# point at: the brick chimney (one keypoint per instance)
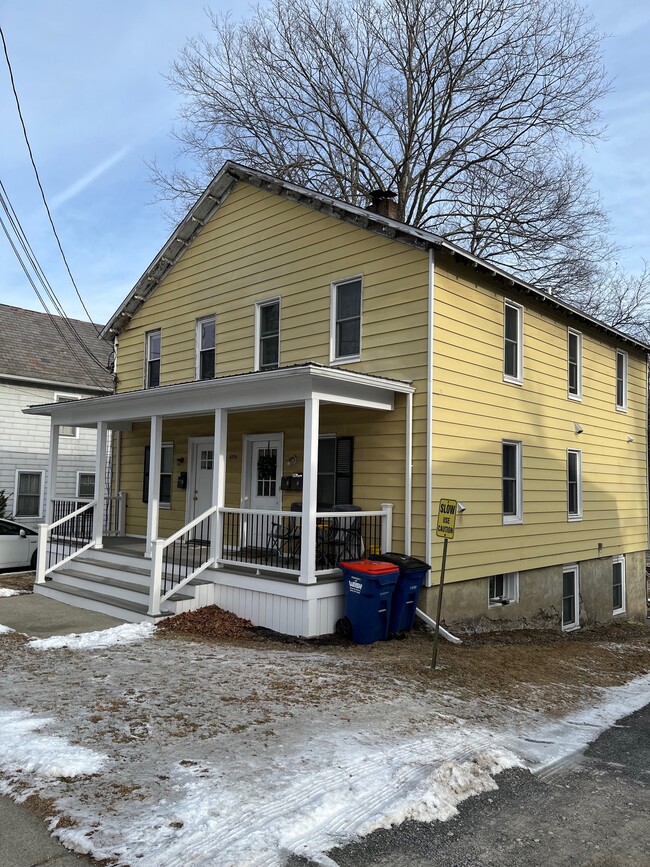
(381, 202)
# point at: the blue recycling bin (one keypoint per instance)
(368, 586)
(412, 573)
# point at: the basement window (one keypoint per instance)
(503, 589)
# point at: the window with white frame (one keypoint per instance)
(618, 584)
(206, 334)
(570, 598)
(29, 490)
(511, 482)
(345, 339)
(85, 486)
(267, 334)
(574, 484)
(503, 589)
(621, 380)
(574, 364)
(334, 481)
(513, 342)
(166, 467)
(152, 358)
(66, 430)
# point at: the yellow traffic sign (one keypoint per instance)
(446, 519)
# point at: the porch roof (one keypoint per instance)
(285, 386)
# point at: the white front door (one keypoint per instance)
(199, 482)
(264, 470)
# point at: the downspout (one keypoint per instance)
(429, 463)
(408, 487)
(647, 445)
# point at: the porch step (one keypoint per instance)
(128, 586)
(121, 609)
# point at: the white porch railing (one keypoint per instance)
(180, 558)
(64, 539)
(115, 515)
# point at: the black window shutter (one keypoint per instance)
(344, 454)
(145, 475)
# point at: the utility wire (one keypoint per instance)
(72, 349)
(38, 179)
(19, 232)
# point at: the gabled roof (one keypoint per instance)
(39, 348)
(231, 173)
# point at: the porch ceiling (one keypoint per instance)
(287, 386)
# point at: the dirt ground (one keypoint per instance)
(17, 580)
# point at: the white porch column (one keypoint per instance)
(100, 483)
(219, 481)
(309, 484)
(52, 471)
(387, 528)
(155, 445)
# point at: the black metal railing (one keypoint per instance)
(72, 533)
(185, 555)
(344, 537)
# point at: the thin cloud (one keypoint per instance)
(89, 178)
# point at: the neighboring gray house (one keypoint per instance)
(41, 361)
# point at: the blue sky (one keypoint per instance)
(90, 79)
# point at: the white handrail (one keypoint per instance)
(189, 526)
(74, 514)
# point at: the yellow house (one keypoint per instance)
(286, 357)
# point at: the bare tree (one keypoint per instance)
(470, 110)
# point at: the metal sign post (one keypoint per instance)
(445, 529)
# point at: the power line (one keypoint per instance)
(38, 179)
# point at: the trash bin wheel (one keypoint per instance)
(344, 627)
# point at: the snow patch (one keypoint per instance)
(5, 592)
(127, 633)
(4, 629)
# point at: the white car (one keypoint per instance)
(17, 545)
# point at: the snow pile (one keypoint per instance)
(5, 629)
(25, 749)
(5, 592)
(127, 633)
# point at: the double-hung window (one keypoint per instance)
(267, 334)
(29, 491)
(334, 485)
(621, 380)
(574, 364)
(512, 499)
(152, 359)
(85, 486)
(205, 347)
(618, 584)
(513, 342)
(66, 430)
(570, 598)
(345, 337)
(574, 484)
(166, 467)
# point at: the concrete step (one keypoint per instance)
(121, 609)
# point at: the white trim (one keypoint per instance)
(52, 472)
(619, 558)
(62, 397)
(198, 349)
(574, 516)
(575, 624)
(428, 480)
(78, 496)
(40, 473)
(517, 518)
(571, 332)
(334, 286)
(155, 444)
(621, 407)
(310, 485)
(408, 480)
(519, 378)
(276, 299)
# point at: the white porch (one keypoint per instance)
(274, 567)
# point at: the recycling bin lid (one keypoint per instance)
(368, 567)
(404, 562)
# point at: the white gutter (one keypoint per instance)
(408, 486)
(429, 463)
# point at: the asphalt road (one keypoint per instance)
(592, 810)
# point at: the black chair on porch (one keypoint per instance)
(342, 539)
(283, 541)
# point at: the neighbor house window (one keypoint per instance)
(152, 359)
(570, 598)
(618, 584)
(85, 486)
(267, 335)
(511, 477)
(334, 486)
(29, 488)
(205, 347)
(345, 340)
(66, 430)
(574, 372)
(621, 380)
(166, 466)
(513, 342)
(503, 589)
(574, 484)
